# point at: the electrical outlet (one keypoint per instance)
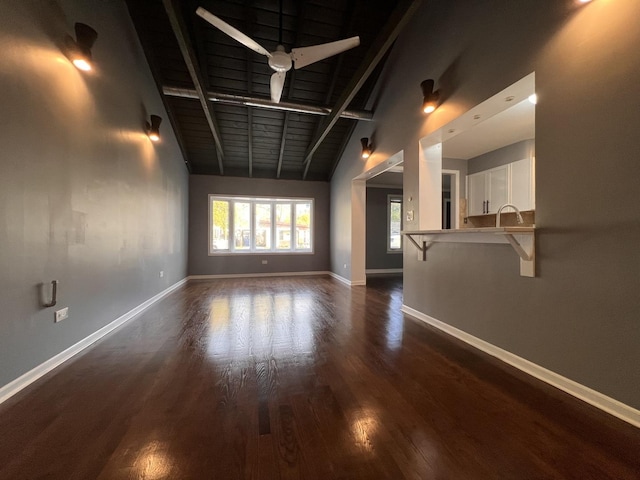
(62, 314)
(161, 273)
(345, 265)
(264, 262)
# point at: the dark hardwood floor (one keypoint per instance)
(286, 378)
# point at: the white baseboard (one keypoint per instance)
(251, 275)
(350, 283)
(340, 278)
(586, 394)
(373, 271)
(34, 374)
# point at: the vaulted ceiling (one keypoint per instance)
(217, 91)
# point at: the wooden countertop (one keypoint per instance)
(497, 230)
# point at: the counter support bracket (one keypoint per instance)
(422, 248)
(521, 239)
(524, 245)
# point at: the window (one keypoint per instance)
(263, 226)
(394, 223)
(256, 225)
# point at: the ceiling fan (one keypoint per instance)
(280, 60)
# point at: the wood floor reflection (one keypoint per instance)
(300, 378)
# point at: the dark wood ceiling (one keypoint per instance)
(256, 141)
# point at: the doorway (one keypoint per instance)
(358, 215)
(450, 199)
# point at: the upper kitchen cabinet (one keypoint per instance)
(511, 183)
(523, 185)
(488, 190)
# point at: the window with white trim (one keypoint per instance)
(260, 224)
(394, 223)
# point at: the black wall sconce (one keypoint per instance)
(430, 98)
(367, 148)
(153, 128)
(79, 50)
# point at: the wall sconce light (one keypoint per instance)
(430, 98)
(79, 50)
(153, 128)
(367, 149)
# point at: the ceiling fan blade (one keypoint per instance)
(307, 55)
(277, 85)
(232, 32)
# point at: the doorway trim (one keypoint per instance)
(359, 216)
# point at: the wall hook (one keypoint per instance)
(54, 295)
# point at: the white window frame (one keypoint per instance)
(253, 201)
(393, 198)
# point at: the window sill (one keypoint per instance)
(266, 252)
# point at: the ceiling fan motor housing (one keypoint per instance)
(280, 60)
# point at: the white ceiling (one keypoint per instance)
(506, 118)
(513, 125)
(388, 179)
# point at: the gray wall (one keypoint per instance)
(85, 198)
(200, 263)
(579, 316)
(377, 256)
(502, 156)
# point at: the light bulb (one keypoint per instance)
(428, 108)
(82, 64)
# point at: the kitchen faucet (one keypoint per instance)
(518, 216)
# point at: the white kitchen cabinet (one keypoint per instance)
(476, 191)
(522, 184)
(513, 183)
(488, 190)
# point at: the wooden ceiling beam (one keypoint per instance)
(332, 85)
(282, 143)
(398, 19)
(250, 112)
(265, 103)
(346, 30)
(343, 147)
(155, 72)
(292, 81)
(189, 55)
(250, 139)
